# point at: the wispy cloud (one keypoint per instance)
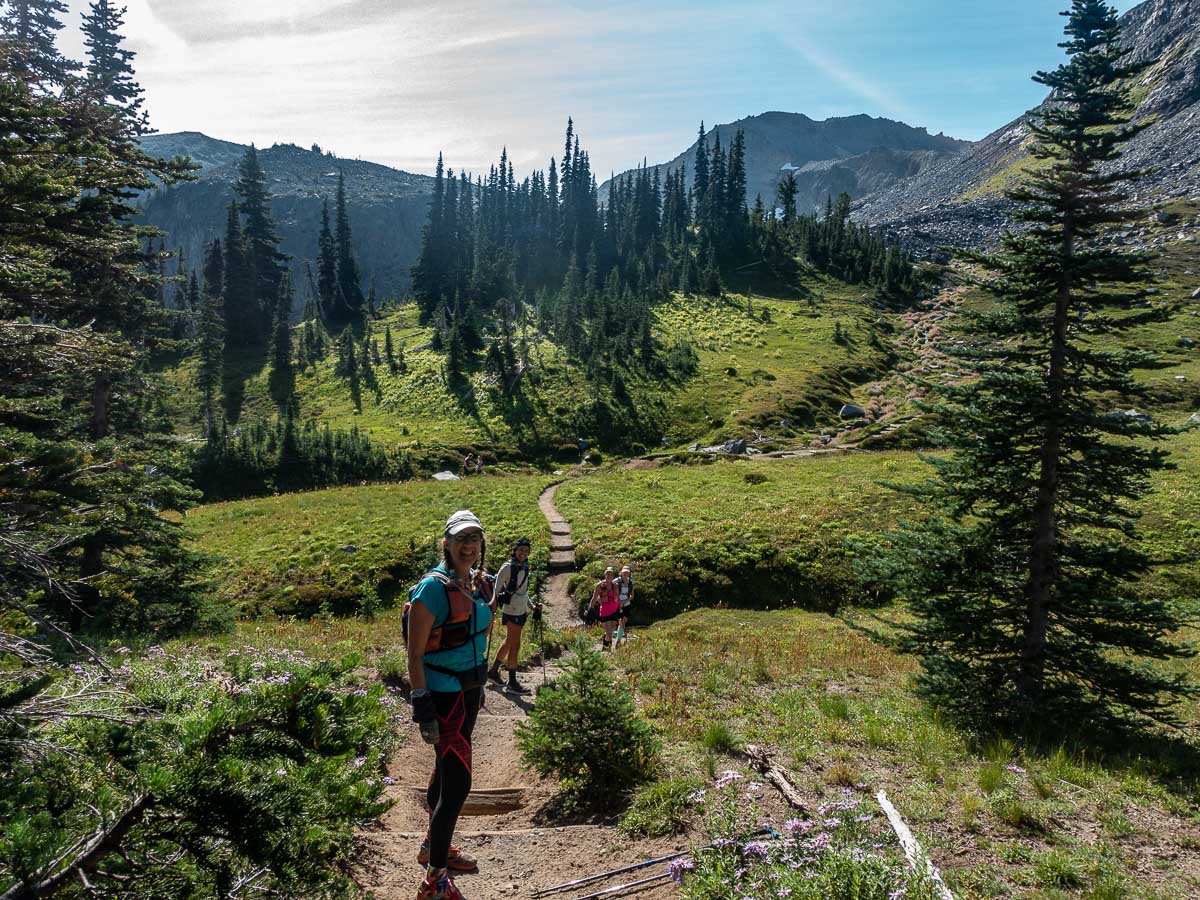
(863, 86)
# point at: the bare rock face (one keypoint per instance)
(959, 200)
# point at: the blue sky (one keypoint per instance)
(395, 81)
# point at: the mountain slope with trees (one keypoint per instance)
(389, 205)
(854, 154)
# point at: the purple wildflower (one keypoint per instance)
(756, 848)
(678, 868)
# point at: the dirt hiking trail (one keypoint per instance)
(508, 821)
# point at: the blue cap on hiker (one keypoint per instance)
(461, 521)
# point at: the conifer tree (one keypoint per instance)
(389, 351)
(785, 197)
(28, 32)
(700, 183)
(1026, 580)
(264, 262)
(110, 64)
(242, 319)
(282, 379)
(348, 279)
(210, 339)
(333, 311)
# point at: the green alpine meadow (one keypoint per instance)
(803, 508)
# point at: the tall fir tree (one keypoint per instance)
(264, 263)
(109, 70)
(242, 315)
(28, 44)
(349, 281)
(1027, 580)
(210, 339)
(282, 378)
(332, 308)
(700, 182)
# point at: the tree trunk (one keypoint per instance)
(1043, 557)
(101, 394)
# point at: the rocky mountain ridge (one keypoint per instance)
(388, 207)
(959, 200)
(857, 154)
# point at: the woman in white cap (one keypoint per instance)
(625, 594)
(448, 623)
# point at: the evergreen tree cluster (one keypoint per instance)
(856, 254)
(262, 458)
(162, 777)
(500, 257)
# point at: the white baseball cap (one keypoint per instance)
(461, 521)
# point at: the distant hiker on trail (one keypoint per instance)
(512, 599)
(479, 464)
(625, 593)
(466, 465)
(448, 618)
(606, 597)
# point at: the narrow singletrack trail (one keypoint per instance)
(508, 822)
(561, 611)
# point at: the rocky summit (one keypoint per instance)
(959, 200)
(856, 154)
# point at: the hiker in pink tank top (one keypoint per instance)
(608, 599)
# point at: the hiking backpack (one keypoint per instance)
(458, 628)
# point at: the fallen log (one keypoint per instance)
(775, 774)
(912, 850)
(485, 801)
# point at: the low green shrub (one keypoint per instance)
(207, 773)
(585, 730)
(662, 807)
(719, 738)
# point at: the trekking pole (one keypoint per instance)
(642, 865)
(622, 888)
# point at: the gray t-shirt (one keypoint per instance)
(518, 604)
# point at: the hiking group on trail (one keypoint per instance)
(447, 624)
(612, 600)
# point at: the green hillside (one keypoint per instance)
(760, 360)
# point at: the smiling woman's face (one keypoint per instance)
(522, 553)
(465, 547)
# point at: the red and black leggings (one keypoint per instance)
(451, 781)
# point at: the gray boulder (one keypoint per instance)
(1132, 415)
(1196, 294)
(735, 446)
(851, 411)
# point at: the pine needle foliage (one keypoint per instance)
(1025, 579)
(586, 731)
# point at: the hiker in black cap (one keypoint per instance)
(449, 618)
(512, 598)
